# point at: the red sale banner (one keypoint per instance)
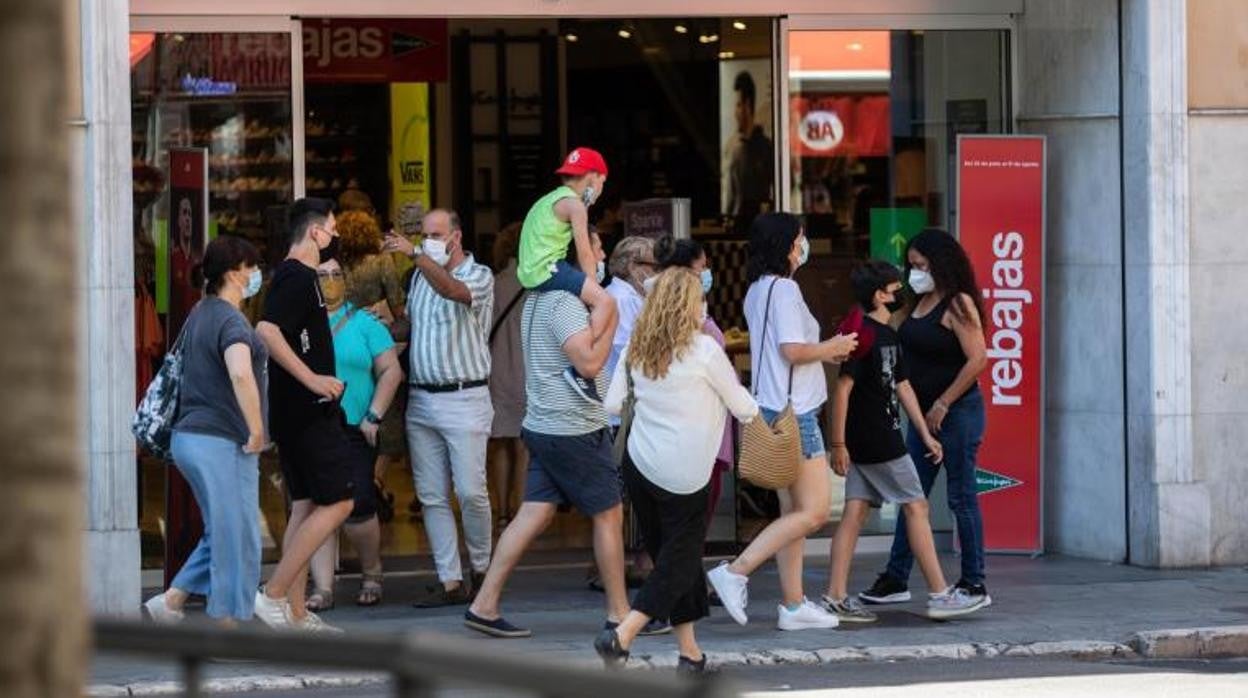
(1001, 225)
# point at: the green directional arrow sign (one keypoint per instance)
(987, 481)
(892, 229)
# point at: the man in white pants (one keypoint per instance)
(449, 413)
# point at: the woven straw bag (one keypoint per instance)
(771, 453)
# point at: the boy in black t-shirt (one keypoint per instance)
(868, 449)
(304, 416)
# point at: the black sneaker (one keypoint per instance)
(494, 628)
(688, 667)
(607, 645)
(975, 591)
(886, 590)
(583, 387)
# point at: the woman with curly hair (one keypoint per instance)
(943, 339)
(683, 386)
(371, 274)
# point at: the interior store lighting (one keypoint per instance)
(625, 33)
(854, 46)
(682, 29)
(727, 54)
(572, 38)
(739, 25)
(712, 38)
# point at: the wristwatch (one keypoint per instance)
(371, 417)
(417, 251)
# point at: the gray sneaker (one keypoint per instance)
(952, 603)
(849, 610)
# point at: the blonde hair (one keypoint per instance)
(669, 323)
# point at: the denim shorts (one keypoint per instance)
(808, 427)
(564, 277)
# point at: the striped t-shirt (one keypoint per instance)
(552, 407)
(449, 339)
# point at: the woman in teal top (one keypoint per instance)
(366, 361)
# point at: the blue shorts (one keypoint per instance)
(808, 426)
(576, 470)
(564, 278)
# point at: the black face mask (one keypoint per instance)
(330, 251)
(896, 304)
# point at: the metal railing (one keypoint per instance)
(418, 663)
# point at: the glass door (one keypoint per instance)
(872, 117)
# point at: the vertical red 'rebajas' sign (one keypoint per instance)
(1001, 225)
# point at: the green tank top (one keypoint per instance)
(544, 239)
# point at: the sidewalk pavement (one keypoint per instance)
(1051, 606)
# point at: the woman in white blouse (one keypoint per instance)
(684, 386)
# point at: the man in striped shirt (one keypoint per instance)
(570, 452)
(449, 413)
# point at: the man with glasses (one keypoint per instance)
(449, 411)
(304, 416)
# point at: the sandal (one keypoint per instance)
(370, 590)
(320, 600)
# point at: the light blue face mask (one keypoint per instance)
(803, 254)
(253, 283)
(707, 280)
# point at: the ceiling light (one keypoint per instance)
(727, 54)
(738, 25)
(712, 38)
(625, 34)
(682, 29)
(572, 38)
(855, 46)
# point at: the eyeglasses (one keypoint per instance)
(335, 275)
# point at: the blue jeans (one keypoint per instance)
(225, 565)
(960, 435)
(807, 427)
(565, 277)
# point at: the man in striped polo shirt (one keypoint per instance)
(449, 414)
(570, 452)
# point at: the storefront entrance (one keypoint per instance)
(848, 121)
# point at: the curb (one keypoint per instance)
(1190, 643)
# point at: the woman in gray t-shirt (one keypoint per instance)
(218, 436)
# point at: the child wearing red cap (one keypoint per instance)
(558, 219)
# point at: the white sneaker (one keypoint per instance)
(272, 612)
(732, 589)
(952, 603)
(160, 612)
(808, 616)
(312, 623)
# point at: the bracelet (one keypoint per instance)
(837, 444)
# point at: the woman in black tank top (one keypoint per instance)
(943, 341)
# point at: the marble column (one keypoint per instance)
(1170, 506)
(102, 144)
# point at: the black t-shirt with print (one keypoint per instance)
(873, 425)
(295, 305)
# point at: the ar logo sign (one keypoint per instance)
(822, 130)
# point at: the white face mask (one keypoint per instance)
(436, 249)
(587, 196)
(648, 285)
(921, 282)
(602, 271)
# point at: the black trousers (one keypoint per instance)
(673, 529)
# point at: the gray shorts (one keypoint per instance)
(895, 481)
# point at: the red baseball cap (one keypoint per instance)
(583, 161)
